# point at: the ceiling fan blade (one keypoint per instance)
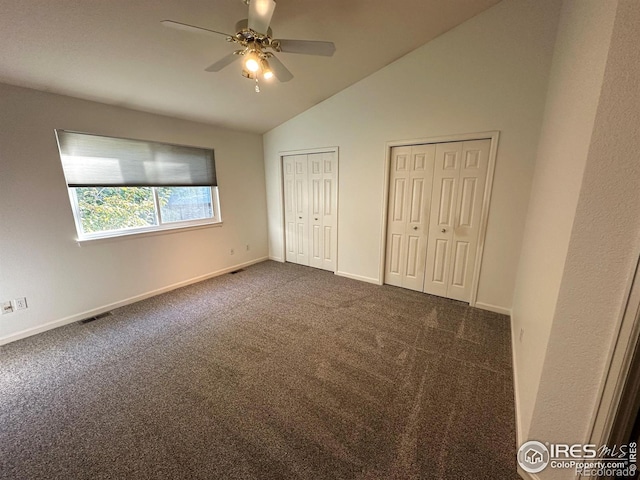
(308, 47)
(223, 62)
(260, 13)
(190, 28)
(281, 72)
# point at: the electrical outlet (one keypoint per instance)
(20, 303)
(521, 334)
(6, 307)
(233, 251)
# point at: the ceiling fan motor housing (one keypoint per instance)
(245, 34)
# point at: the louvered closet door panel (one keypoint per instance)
(442, 217)
(469, 199)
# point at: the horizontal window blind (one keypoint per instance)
(99, 161)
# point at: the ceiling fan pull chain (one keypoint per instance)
(257, 85)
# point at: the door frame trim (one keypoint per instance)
(307, 151)
(620, 364)
(493, 136)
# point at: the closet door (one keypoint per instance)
(311, 209)
(289, 178)
(323, 197)
(296, 209)
(442, 216)
(458, 191)
(301, 207)
(409, 197)
(470, 195)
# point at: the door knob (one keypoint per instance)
(415, 228)
(316, 218)
(444, 230)
(300, 218)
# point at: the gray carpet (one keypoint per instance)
(279, 371)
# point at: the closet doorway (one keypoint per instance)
(437, 207)
(310, 188)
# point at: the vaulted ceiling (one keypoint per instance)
(117, 52)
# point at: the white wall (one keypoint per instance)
(490, 73)
(39, 258)
(602, 253)
(575, 81)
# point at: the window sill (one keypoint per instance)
(139, 234)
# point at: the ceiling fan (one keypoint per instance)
(255, 37)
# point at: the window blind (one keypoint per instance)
(99, 161)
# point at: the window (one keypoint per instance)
(121, 187)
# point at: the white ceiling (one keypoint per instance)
(116, 52)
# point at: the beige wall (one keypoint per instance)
(575, 81)
(490, 73)
(602, 253)
(39, 258)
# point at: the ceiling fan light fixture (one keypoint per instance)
(252, 62)
(267, 73)
(255, 37)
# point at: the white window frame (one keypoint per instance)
(160, 227)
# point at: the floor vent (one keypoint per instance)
(97, 317)
(237, 271)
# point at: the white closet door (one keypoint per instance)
(460, 175)
(288, 172)
(397, 217)
(323, 210)
(296, 209)
(311, 209)
(301, 208)
(470, 194)
(409, 197)
(316, 217)
(441, 225)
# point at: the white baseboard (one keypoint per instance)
(276, 259)
(359, 277)
(516, 399)
(105, 308)
(493, 308)
(516, 390)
